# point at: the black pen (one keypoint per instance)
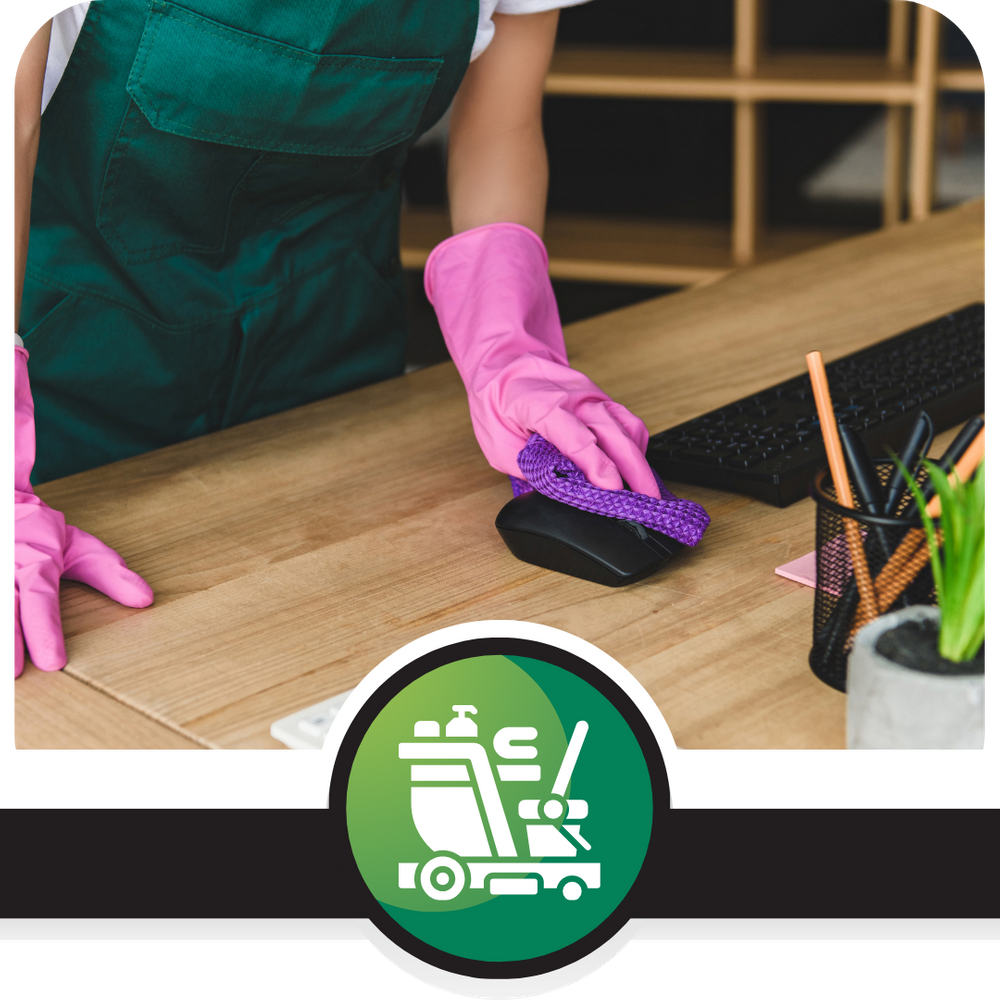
(861, 468)
(871, 499)
(910, 456)
(961, 442)
(952, 454)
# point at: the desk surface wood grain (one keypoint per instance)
(291, 554)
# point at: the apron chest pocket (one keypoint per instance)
(208, 102)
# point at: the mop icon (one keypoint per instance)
(467, 851)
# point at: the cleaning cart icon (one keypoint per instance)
(467, 851)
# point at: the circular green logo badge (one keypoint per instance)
(499, 806)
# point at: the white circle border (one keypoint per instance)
(499, 629)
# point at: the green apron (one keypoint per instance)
(215, 215)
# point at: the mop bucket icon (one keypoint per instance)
(446, 814)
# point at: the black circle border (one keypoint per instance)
(402, 678)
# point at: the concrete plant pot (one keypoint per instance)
(902, 696)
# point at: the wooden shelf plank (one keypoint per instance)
(923, 121)
(967, 78)
(606, 71)
(625, 250)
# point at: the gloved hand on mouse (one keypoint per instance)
(491, 290)
(46, 548)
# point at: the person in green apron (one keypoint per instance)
(214, 237)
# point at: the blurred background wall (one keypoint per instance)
(686, 139)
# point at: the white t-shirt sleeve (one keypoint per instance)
(487, 8)
(66, 27)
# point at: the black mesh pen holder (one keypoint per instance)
(892, 547)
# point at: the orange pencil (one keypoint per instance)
(838, 470)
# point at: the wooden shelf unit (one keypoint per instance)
(642, 251)
(626, 250)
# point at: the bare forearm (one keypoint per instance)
(497, 165)
(27, 126)
(505, 180)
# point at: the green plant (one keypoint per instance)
(958, 559)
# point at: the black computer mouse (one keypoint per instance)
(593, 547)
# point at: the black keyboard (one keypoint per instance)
(769, 445)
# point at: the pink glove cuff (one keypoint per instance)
(471, 243)
(491, 290)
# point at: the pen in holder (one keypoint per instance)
(892, 550)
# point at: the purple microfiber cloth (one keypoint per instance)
(550, 472)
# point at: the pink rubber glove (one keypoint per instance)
(490, 288)
(47, 548)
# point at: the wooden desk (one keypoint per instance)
(290, 555)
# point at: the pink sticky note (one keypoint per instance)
(801, 570)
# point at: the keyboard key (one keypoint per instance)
(747, 461)
(886, 399)
(706, 456)
(666, 448)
